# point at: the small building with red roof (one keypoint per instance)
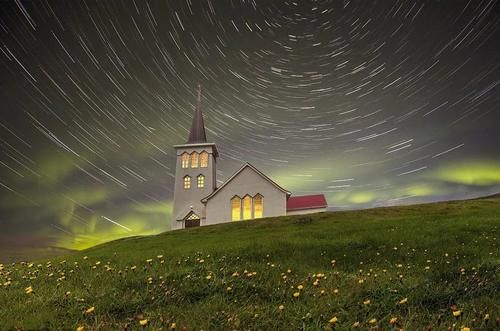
(306, 204)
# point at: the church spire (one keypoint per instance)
(197, 133)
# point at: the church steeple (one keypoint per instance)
(197, 133)
(195, 173)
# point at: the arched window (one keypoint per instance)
(187, 182)
(235, 208)
(203, 159)
(200, 181)
(194, 160)
(247, 207)
(185, 160)
(258, 201)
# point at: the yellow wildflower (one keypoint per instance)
(300, 287)
(173, 326)
(333, 320)
(393, 320)
(143, 322)
(366, 302)
(296, 294)
(80, 328)
(281, 307)
(457, 313)
(373, 321)
(90, 310)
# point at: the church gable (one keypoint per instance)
(244, 177)
(247, 194)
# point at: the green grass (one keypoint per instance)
(440, 257)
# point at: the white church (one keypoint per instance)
(247, 194)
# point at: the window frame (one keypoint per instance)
(202, 177)
(239, 208)
(186, 182)
(202, 157)
(261, 205)
(243, 207)
(185, 157)
(195, 160)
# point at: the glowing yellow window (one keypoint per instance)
(203, 159)
(185, 160)
(235, 209)
(200, 181)
(194, 160)
(193, 217)
(187, 182)
(247, 207)
(257, 206)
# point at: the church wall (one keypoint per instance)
(218, 208)
(305, 211)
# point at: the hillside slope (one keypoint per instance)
(408, 267)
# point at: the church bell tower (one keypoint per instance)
(195, 175)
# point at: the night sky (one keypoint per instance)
(373, 103)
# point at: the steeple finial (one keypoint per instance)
(197, 133)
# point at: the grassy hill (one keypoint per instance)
(419, 267)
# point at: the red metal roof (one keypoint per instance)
(306, 202)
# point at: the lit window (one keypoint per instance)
(201, 181)
(203, 159)
(194, 160)
(192, 217)
(257, 206)
(247, 207)
(235, 209)
(185, 160)
(187, 182)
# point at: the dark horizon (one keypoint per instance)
(373, 104)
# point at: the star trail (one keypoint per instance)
(373, 103)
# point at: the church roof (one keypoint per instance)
(197, 133)
(306, 202)
(246, 165)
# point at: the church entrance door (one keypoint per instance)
(192, 221)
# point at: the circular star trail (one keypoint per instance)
(371, 102)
